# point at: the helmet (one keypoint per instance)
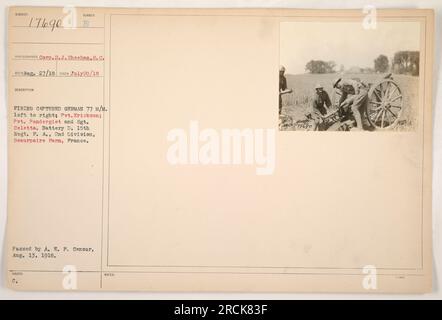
(319, 86)
(336, 81)
(281, 69)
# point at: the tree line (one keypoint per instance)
(403, 62)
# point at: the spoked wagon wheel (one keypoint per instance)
(385, 104)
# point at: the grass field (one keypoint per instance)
(298, 103)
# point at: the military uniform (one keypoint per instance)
(318, 109)
(282, 87)
(320, 99)
(354, 94)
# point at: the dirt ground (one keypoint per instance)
(298, 103)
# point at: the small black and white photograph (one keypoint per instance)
(343, 76)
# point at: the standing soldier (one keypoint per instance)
(320, 104)
(282, 86)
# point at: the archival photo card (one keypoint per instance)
(148, 150)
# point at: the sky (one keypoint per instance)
(346, 43)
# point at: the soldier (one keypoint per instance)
(354, 95)
(320, 104)
(282, 86)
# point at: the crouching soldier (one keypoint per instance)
(320, 104)
(354, 95)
